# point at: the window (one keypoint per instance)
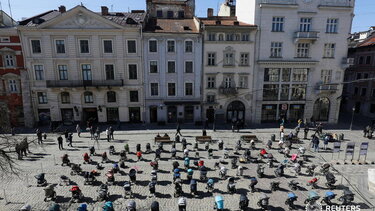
(332, 25)
(284, 95)
(365, 75)
(88, 97)
(211, 37)
(358, 76)
(285, 77)
(245, 37)
(326, 76)
(188, 89)
(153, 46)
(65, 98)
(171, 89)
(110, 72)
(84, 46)
(243, 82)
(299, 75)
(134, 96)
(111, 97)
(60, 46)
(221, 37)
(368, 59)
(42, 98)
(271, 74)
(244, 59)
(228, 82)
(153, 66)
(188, 46)
(35, 46)
(133, 73)
(86, 72)
(4, 39)
(276, 49)
(188, 67)
(211, 82)
(230, 37)
(278, 24)
(329, 50)
(132, 46)
(305, 24)
(107, 46)
(9, 61)
(39, 73)
(12, 86)
(270, 91)
(360, 60)
(356, 90)
(211, 98)
(303, 50)
(372, 108)
(298, 92)
(63, 72)
(171, 46)
(363, 91)
(171, 66)
(154, 89)
(159, 13)
(181, 14)
(169, 14)
(229, 59)
(211, 59)
(237, 37)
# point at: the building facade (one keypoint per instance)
(84, 65)
(13, 77)
(172, 53)
(228, 68)
(301, 57)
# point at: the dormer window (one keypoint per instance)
(170, 14)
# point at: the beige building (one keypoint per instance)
(228, 68)
(84, 65)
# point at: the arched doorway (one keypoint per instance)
(236, 111)
(321, 109)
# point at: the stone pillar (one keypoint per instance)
(371, 180)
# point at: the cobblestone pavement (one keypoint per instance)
(46, 158)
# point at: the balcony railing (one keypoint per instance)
(337, 3)
(278, 1)
(83, 83)
(327, 87)
(306, 35)
(228, 91)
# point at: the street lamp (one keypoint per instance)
(351, 123)
(213, 125)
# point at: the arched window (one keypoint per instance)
(65, 98)
(88, 97)
(321, 109)
(236, 112)
(237, 37)
(221, 37)
(111, 97)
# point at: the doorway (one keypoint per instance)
(134, 114)
(90, 114)
(189, 114)
(153, 114)
(236, 112)
(172, 114)
(67, 116)
(210, 115)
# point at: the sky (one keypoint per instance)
(364, 11)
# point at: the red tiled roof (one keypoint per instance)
(368, 42)
(224, 21)
(171, 26)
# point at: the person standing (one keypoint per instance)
(306, 131)
(92, 132)
(60, 142)
(39, 135)
(66, 134)
(326, 140)
(107, 133)
(78, 129)
(70, 139)
(178, 130)
(315, 142)
(111, 131)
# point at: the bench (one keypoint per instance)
(164, 140)
(248, 138)
(203, 139)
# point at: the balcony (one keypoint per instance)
(286, 2)
(347, 62)
(327, 88)
(336, 3)
(306, 36)
(83, 83)
(228, 91)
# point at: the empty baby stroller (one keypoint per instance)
(64, 180)
(182, 204)
(49, 193)
(263, 202)
(290, 201)
(77, 195)
(155, 206)
(103, 194)
(40, 180)
(293, 185)
(244, 202)
(328, 197)
(89, 178)
(223, 172)
(75, 169)
(210, 185)
(133, 175)
(86, 158)
(112, 150)
(127, 189)
(193, 187)
(312, 197)
(178, 188)
(231, 186)
(347, 197)
(253, 182)
(203, 173)
(331, 180)
(132, 206)
(313, 183)
(65, 160)
(219, 203)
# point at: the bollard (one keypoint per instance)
(41, 167)
(27, 180)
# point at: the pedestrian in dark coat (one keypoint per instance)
(70, 139)
(60, 141)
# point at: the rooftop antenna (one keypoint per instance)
(111, 7)
(10, 10)
(128, 9)
(81, 4)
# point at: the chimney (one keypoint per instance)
(218, 22)
(62, 9)
(236, 23)
(105, 11)
(210, 12)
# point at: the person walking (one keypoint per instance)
(39, 135)
(306, 131)
(92, 132)
(315, 143)
(107, 134)
(78, 129)
(70, 139)
(66, 134)
(178, 130)
(60, 142)
(326, 140)
(111, 131)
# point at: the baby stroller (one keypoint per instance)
(331, 180)
(154, 176)
(104, 157)
(210, 153)
(108, 206)
(313, 183)
(75, 169)
(148, 148)
(127, 189)
(231, 187)
(115, 168)
(263, 202)
(155, 206)
(312, 198)
(175, 165)
(187, 163)
(234, 163)
(324, 168)
(310, 169)
(193, 187)
(176, 174)
(182, 204)
(40, 180)
(110, 177)
(290, 201)
(92, 151)
(112, 150)
(239, 171)
(50, 193)
(244, 202)
(253, 182)
(64, 180)
(65, 160)
(103, 194)
(328, 197)
(210, 185)
(279, 172)
(274, 186)
(86, 158)
(178, 188)
(347, 197)
(123, 155)
(293, 185)
(151, 188)
(89, 178)
(133, 175)
(189, 174)
(203, 173)
(154, 165)
(219, 203)
(220, 144)
(77, 195)
(173, 153)
(223, 172)
(132, 206)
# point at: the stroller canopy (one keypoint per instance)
(40, 176)
(155, 206)
(131, 204)
(292, 195)
(193, 182)
(313, 195)
(210, 181)
(330, 194)
(243, 197)
(132, 172)
(219, 200)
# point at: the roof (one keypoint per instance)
(368, 42)
(171, 26)
(224, 21)
(121, 18)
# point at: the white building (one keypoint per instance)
(301, 57)
(172, 47)
(85, 65)
(228, 68)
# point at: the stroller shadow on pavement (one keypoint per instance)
(114, 197)
(163, 196)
